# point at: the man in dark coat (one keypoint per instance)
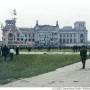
(83, 54)
(5, 52)
(17, 50)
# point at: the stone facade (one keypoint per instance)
(44, 35)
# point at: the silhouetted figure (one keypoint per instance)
(5, 52)
(73, 48)
(83, 54)
(17, 50)
(29, 49)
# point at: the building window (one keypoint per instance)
(74, 40)
(21, 39)
(60, 40)
(63, 35)
(63, 40)
(25, 35)
(67, 40)
(25, 40)
(70, 40)
(67, 35)
(54, 33)
(32, 39)
(70, 35)
(29, 39)
(29, 35)
(74, 35)
(81, 35)
(18, 35)
(33, 34)
(10, 36)
(60, 35)
(18, 39)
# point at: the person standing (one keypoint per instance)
(17, 50)
(5, 52)
(83, 55)
(29, 49)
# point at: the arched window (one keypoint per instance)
(10, 36)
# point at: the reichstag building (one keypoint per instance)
(44, 35)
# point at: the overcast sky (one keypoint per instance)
(47, 12)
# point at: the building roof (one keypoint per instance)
(47, 27)
(79, 22)
(26, 29)
(69, 30)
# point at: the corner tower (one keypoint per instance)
(80, 25)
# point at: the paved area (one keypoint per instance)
(67, 76)
(49, 52)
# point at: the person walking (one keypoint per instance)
(83, 55)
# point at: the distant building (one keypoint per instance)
(44, 35)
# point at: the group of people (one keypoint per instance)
(9, 52)
(6, 51)
(76, 48)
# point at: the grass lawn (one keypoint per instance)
(30, 65)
